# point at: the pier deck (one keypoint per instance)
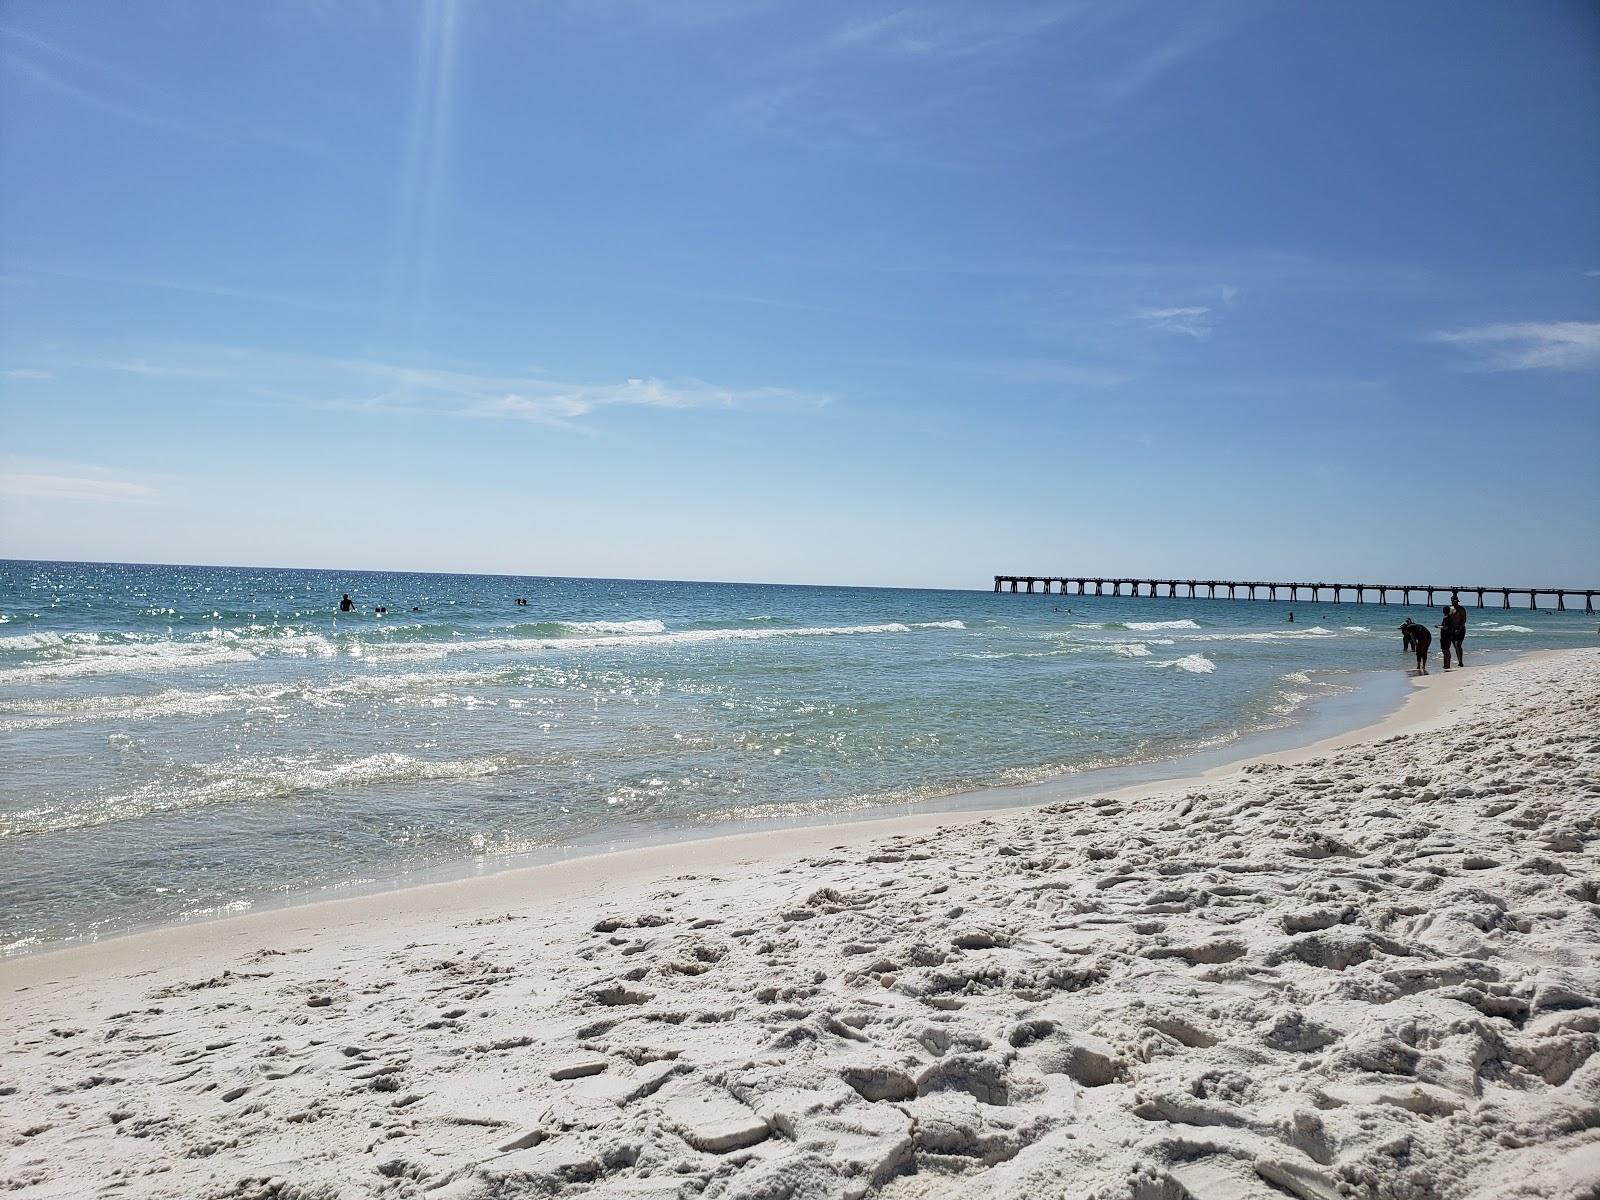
(1337, 593)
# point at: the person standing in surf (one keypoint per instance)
(1417, 638)
(1453, 631)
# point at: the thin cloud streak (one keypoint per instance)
(1193, 321)
(1529, 345)
(198, 288)
(392, 388)
(34, 479)
(1144, 71)
(96, 95)
(138, 366)
(827, 95)
(944, 33)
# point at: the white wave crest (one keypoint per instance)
(681, 637)
(75, 659)
(1357, 629)
(246, 780)
(1184, 624)
(1131, 650)
(1262, 636)
(939, 625)
(46, 640)
(1196, 664)
(643, 626)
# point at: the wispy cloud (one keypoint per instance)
(1193, 321)
(562, 404)
(129, 98)
(400, 388)
(945, 31)
(1145, 68)
(38, 480)
(1186, 275)
(1529, 345)
(150, 370)
(909, 83)
(26, 373)
(1190, 320)
(225, 291)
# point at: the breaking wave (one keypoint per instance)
(645, 626)
(1195, 664)
(1141, 625)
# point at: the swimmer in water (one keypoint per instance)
(345, 604)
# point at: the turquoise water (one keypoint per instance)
(184, 741)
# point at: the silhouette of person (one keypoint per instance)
(1291, 616)
(1418, 639)
(1454, 631)
(345, 603)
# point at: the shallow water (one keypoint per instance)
(180, 741)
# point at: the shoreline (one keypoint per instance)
(1364, 966)
(1426, 701)
(1301, 724)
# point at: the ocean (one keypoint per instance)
(184, 742)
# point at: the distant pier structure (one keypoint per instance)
(1355, 593)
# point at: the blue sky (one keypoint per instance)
(810, 292)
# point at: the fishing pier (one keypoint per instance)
(1235, 589)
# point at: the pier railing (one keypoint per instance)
(1356, 593)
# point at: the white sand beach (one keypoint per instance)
(1368, 968)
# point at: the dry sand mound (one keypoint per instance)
(1374, 974)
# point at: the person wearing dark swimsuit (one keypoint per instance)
(1417, 639)
(1454, 631)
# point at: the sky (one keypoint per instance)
(897, 294)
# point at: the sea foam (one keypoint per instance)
(1195, 664)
